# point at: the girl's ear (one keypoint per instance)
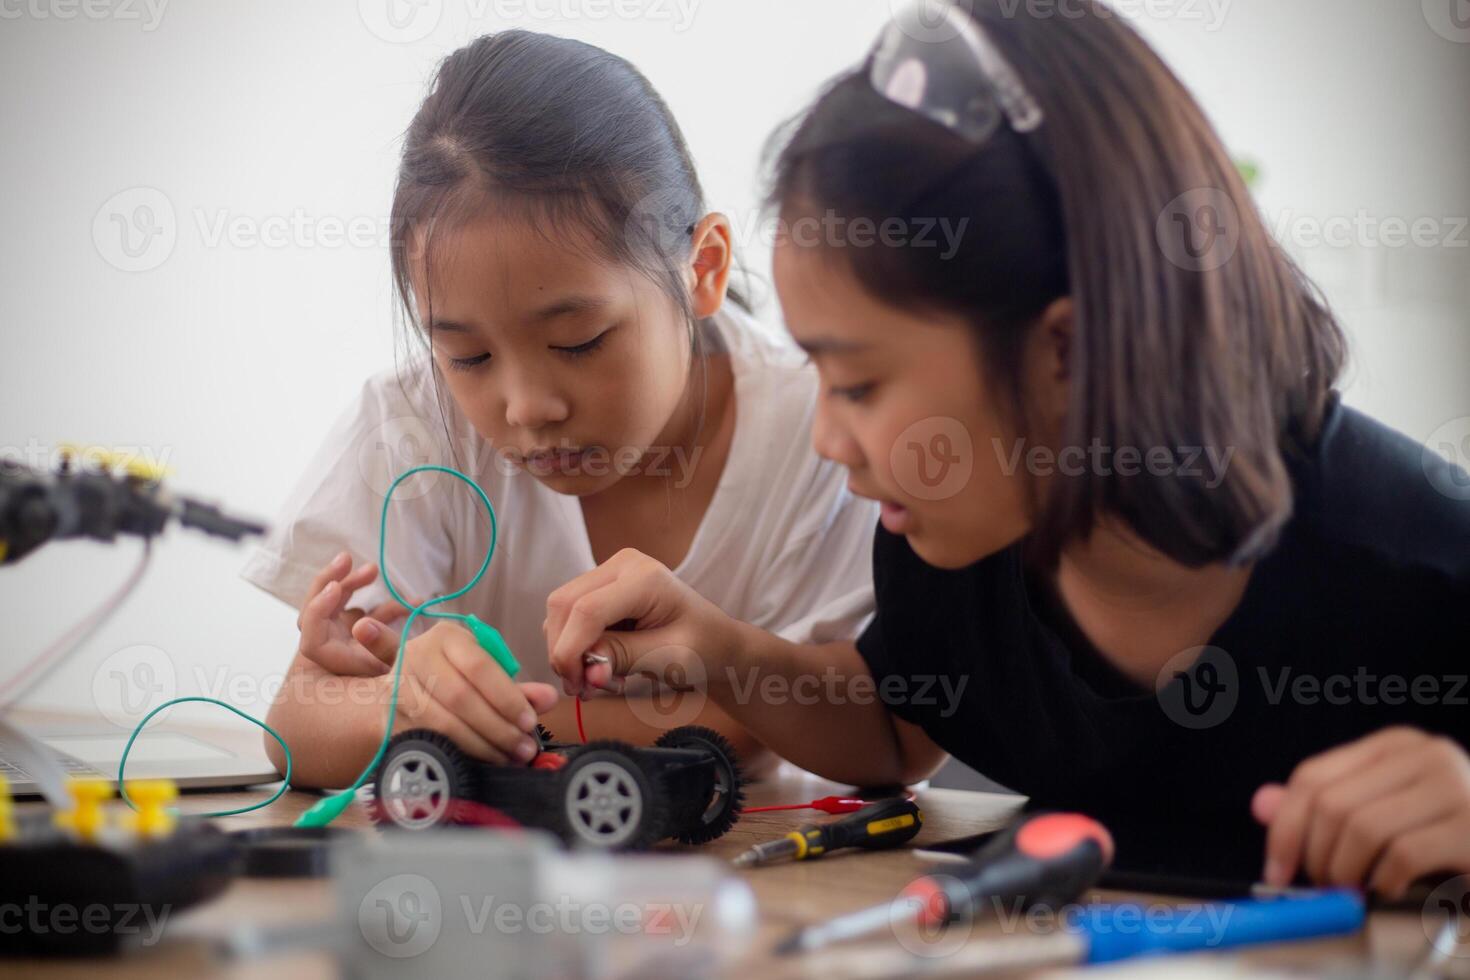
(709, 265)
(1049, 364)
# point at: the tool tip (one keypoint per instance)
(798, 942)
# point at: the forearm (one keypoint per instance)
(332, 723)
(817, 705)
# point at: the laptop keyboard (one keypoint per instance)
(70, 763)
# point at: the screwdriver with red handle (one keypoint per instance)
(1045, 859)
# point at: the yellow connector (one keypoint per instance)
(88, 818)
(7, 812)
(151, 797)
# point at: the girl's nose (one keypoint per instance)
(532, 406)
(833, 441)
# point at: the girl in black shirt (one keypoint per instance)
(1136, 557)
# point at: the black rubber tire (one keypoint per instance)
(446, 777)
(721, 815)
(607, 801)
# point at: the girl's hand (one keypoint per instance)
(342, 642)
(1381, 811)
(450, 684)
(677, 632)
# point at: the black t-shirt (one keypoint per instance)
(1358, 619)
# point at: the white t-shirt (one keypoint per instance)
(784, 545)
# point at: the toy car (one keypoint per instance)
(604, 794)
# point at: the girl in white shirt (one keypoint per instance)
(585, 363)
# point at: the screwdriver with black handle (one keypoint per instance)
(1047, 859)
(886, 823)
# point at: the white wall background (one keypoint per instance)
(229, 358)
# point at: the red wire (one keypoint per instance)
(828, 804)
(581, 732)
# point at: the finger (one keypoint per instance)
(387, 612)
(486, 698)
(315, 618)
(378, 640)
(1375, 826)
(417, 708)
(1286, 837)
(560, 602)
(1337, 803)
(1442, 846)
(346, 660)
(360, 576)
(1266, 802)
(330, 572)
(541, 697)
(588, 620)
(505, 697)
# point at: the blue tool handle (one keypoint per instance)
(1116, 932)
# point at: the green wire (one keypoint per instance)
(346, 795)
(122, 787)
(422, 608)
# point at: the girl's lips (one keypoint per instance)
(560, 461)
(895, 518)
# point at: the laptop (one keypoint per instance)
(194, 757)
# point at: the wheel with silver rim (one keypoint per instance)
(422, 776)
(608, 801)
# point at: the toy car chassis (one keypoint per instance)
(604, 794)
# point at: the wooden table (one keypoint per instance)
(787, 895)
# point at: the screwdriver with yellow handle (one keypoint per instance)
(886, 823)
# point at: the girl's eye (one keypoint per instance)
(466, 363)
(579, 349)
(854, 393)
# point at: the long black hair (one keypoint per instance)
(1238, 355)
(559, 132)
